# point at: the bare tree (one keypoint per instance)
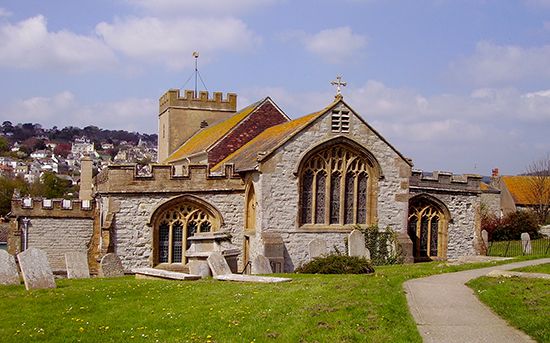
(539, 187)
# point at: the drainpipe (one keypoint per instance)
(25, 232)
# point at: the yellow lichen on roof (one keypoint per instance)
(203, 139)
(484, 187)
(521, 188)
(246, 157)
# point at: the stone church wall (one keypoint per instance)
(132, 237)
(279, 188)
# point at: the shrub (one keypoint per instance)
(511, 226)
(337, 264)
(383, 246)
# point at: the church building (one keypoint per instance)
(253, 181)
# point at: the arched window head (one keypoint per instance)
(174, 225)
(427, 228)
(335, 183)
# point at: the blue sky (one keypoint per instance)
(456, 85)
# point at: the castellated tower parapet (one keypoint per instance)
(180, 117)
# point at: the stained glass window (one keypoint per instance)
(320, 198)
(335, 198)
(177, 238)
(348, 201)
(362, 199)
(425, 232)
(164, 234)
(307, 196)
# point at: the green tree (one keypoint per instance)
(7, 187)
(4, 144)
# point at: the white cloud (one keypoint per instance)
(493, 64)
(28, 44)
(4, 12)
(335, 45)
(172, 41)
(186, 7)
(64, 109)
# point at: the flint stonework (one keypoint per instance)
(36, 270)
(8, 269)
(77, 265)
(110, 266)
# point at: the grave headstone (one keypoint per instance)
(77, 265)
(152, 273)
(356, 244)
(8, 269)
(261, 265)
(36, 270)
(317, 247)
(218, 264)
(526, 243)
(199, 267)
(110, 266)
(485, 237)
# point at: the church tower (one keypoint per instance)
(181, 117)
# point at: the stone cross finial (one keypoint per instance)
(339, 84)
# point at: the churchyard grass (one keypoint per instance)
(524, 303)
(539, 268)
(514, 248)
(310, 308)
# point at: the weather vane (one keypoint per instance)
(339, 84)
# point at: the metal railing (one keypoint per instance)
(518, 248)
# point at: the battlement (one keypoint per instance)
(59, 208)
(162, 179)
(441, 180)
(172, 98)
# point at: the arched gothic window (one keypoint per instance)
(175, 225)
(335, 185)
(427, 228)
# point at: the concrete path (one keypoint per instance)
(446, 310)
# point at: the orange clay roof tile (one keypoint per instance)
(521, 189)
(206, 137)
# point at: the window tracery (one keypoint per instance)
(335, 187)
(175, 225)
(427, 226)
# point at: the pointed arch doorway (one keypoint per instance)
(428, 227)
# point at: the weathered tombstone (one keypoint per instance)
(261, 265)
(526, 243)
(274, 250)
(36, 270)
(356, 245)
(8, 269)
(218, 264)
(317, 247)
(77, 265)
(198, 267)
(110, 266)
(485, 237)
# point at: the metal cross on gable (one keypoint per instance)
(339, 84)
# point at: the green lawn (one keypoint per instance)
(541, 268)
(514, 248)
(322, 308)
(524, 303)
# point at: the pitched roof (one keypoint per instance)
(206, 137)
(247, 157)
(521, 188)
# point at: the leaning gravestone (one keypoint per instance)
(77, 265)
(8, 269)
(317, 247)
(218, 264)
(35, 268)
(110, 266)
(356, 245)
(526, 243)
(199, 268)
(261, 265)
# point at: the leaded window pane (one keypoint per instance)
(205, 227)
(320, 189)
(177, 238)
(164, 232)
(413, 222)
(424, 227)
(335, 198)
(307, 197)
(348, 201)
(433, 236)
(362, 199)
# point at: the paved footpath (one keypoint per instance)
(446, 310)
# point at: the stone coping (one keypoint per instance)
(163, 274)
(507, 273)
(251, 278)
